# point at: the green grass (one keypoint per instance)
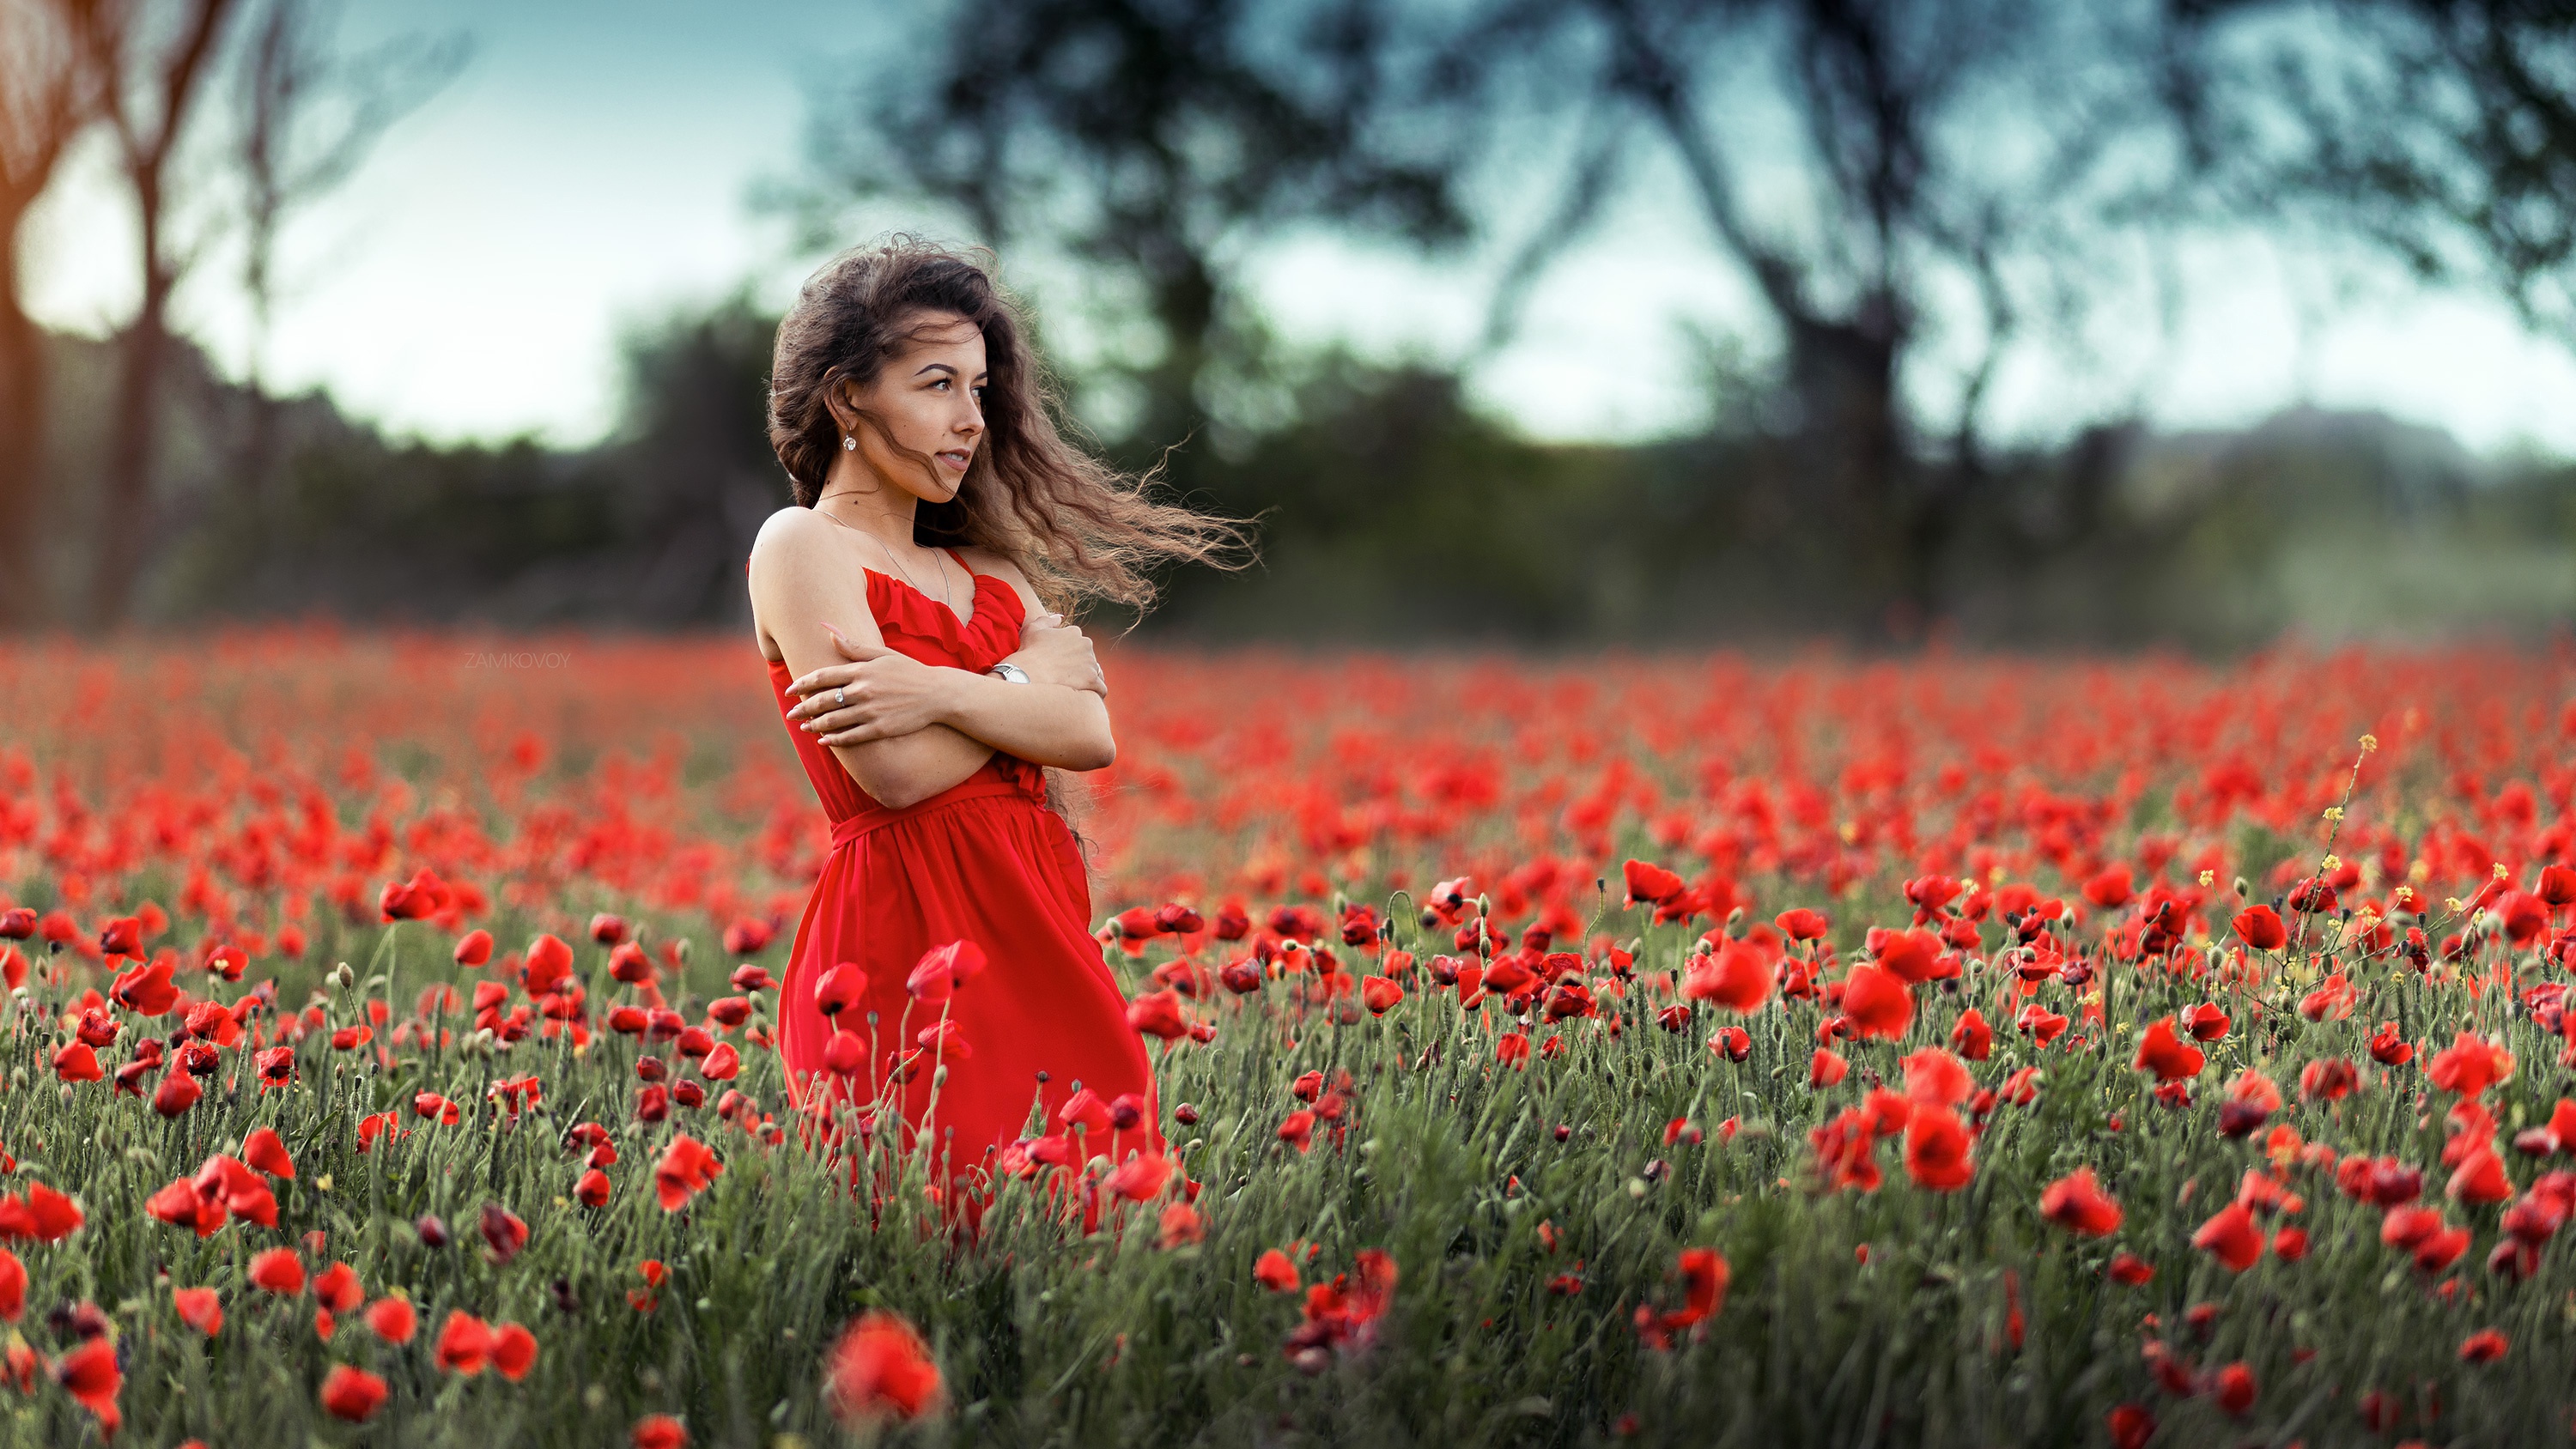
(1047, 1336)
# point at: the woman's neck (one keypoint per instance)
(881, 509)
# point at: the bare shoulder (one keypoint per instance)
(792, 532)
(986, 561)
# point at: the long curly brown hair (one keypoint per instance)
(1077, 527)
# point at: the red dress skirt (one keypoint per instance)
(986, 861)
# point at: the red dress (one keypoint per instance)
(984, 860)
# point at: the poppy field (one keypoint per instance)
(1672, 1049)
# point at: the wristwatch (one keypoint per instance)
(1012, 672)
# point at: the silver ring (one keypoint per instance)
(843, 695)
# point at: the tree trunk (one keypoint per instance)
(22, 450)
(1843, 374)
(125, 522)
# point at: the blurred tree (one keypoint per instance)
(1153, 140)
(150, 85)
(697, 477)
(1858, 160)
(2441, 130)
(47, 97)
(306, 116)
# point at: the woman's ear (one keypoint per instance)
(842, 396)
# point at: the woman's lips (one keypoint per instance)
(956, 458)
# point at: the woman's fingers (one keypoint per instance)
(830, 676)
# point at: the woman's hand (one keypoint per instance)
(878, 696)
(1055, 652)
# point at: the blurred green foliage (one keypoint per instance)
(1391, 510)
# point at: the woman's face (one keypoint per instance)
(928, 401)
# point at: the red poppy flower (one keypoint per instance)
(200, 1309)
(2206, 1022)
(548, 966)
(686, 1167)
(336, 1288)
(265, 1150)
(881, 1368)
(352, 1393)
(2112, 888)
(1934, 1076)
(658, 1431)
(2484, 1346)
(1297, 1129)
(2130, 1270)
(943, 969)
(1801, 924)
(1179, 1227)
(2468, 1066)
(2042, 1025)
(279, 1271)
(2558, 885)
(2480, 1180)
(177, 1093)
(1650, 884)
(2231, 1237)
(2234, 1389)
(514, 1351)
(1826, 1068)
(13, 1286)
(393, 1319)
(1877, 1003)
(2260, 927)
(464, 1343)
(1844, 1152)
(1971, 1037)
(1910, 955)
(1274, 1271)
(2077, 1203)
(51, 1217)
(504, 1234)
(1139, 1177)
(90, 1375)
(2169, 1057)
(2329, 1080)
(2439, 1251)
(1937, 1150)
(2387, 1049)
(1704, 1275)
(78, 1062)
(1735, 977)
(2251, 1099)
(1158, 1014)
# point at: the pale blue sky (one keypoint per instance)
(590, 169)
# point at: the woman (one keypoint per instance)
(912, 609)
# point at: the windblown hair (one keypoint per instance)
(1077, 527)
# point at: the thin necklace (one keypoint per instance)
(906, 574)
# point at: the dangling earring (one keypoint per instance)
(848, 443)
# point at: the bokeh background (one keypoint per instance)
(2012, 323)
